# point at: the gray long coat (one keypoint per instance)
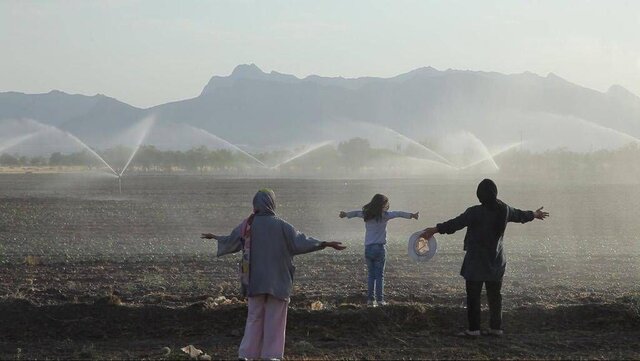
(274, 242)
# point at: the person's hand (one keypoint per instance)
(342, 214)
(540, 214)
(208, 236)
(415, 215)
(429, 232)
(335, 245)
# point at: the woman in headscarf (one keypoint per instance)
(268, 244)
(484, 262)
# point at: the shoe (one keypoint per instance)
(469, 334)
(372, 303)
(382, 303)
(496, 333)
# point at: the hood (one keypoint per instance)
(264, 202)
(487, 192)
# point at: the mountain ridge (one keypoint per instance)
(255, 72)
(249, 103)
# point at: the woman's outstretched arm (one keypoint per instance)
(226, 244)
(540, 214)
(299, 243)
(520, 216)
(451, 226)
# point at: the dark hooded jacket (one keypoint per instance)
(484, 259)
(274, 242)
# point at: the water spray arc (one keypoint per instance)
(83, 144)
(432, 162)
(45, 128)
(16, 141)
(395, 133)
(492, 155)
(419, 145)
(303, 153)
(614, 131)
(485, 150)
(146, 125)
(217, 138)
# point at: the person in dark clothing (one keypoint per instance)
(484, 261)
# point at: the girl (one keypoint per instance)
(484, 261)
(376, 216)
(268, 244)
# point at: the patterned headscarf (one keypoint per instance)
(264, 203)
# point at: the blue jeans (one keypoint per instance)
(375, 255)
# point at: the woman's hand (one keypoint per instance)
(208, 236)
(415, 215)
(342, 214)
(539, 214)
(429, 232)
(335, 245)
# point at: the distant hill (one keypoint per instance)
(257, 109)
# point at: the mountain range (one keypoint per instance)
(260, 110)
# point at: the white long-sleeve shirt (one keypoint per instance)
(376, 231)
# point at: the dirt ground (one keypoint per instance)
(136, 307)
(87, 272)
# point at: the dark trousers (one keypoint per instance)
(474, 291)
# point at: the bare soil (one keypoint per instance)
(136, 307)
(87, 272)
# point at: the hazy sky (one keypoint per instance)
(149, 52)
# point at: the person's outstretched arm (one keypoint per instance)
(351, 214)
(299, 243)
(451, 226)
(401, 214)
(520, 216)
(227, 244)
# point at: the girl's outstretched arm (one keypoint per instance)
(351, 214)
(401, 214)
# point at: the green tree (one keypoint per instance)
(9, 160)
(355, 151)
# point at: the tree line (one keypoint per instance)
(349, 156)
